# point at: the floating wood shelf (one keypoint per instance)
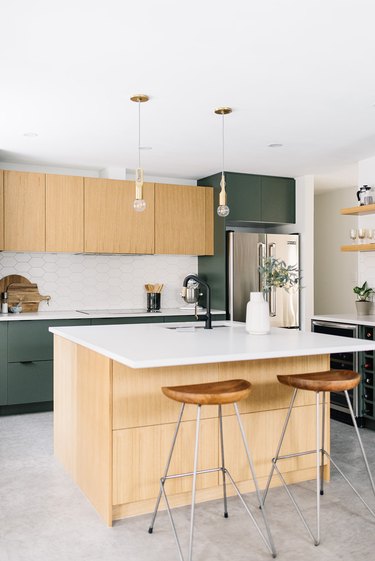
(359, 247)
(364, 209)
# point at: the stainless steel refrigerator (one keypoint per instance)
(245, 253)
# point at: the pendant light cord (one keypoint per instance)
(139, 134)
(222, 143)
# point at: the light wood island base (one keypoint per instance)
(113, 427)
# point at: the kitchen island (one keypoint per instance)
(113, 426)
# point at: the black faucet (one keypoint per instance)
(207, 316)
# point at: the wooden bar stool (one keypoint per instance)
(215, 393)
(335, 381)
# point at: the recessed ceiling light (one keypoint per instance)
(30, 134)
(275, 145)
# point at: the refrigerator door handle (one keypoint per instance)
(272, 299)
(261, 256)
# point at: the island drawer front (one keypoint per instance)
(144, 452)
(138, 399)
(30, 382)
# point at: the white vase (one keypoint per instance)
(257, 315)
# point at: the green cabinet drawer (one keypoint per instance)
(30, 382)
(31, 340)
(3, 363)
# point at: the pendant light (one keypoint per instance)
(223, 208)
(139, 203)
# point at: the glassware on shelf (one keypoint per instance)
(353, 234)
(370, 235)
(361, 234)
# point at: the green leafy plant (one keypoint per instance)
(275, 272)
(363, 292)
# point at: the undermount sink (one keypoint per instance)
(190, 328)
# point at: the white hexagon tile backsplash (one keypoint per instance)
(100, 281)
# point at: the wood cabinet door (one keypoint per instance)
(24, 211)
(1, 211)
(64, 213)
(183, 219)
(111, 223)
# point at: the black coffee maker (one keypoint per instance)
(364, 195)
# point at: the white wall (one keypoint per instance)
(335, 272)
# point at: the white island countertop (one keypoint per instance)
(155, 345)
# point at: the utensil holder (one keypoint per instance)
(153, 301)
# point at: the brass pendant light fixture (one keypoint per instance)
(223, 208)
(139, 203)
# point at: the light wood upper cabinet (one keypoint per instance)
(183, 219)
(111, 223)
(1, 210)
(64, 213)
(24, 211)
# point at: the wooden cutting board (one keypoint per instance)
(20, 289)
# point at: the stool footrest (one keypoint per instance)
(191, 473)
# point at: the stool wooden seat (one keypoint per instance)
(319, 382)
(211, 393)
(329, 381)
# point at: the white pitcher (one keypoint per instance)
(257, 315)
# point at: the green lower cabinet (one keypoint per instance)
(152, 318)
(3, 363)
(30, 382)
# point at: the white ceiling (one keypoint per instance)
(296, 72)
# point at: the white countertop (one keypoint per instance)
(154, 345)
(348, 318)
(92, 314)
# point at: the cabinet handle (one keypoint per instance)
(26, 361)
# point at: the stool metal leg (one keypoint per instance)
(223, 463)
(166, 469)
(318, 472)
(360, 441)
(322, 450)
(194, 483)
(269, 543)
(274, 460)
(319, 453)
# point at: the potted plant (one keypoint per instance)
(276, 273)
(363, 302)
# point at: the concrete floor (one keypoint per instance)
(44, 516)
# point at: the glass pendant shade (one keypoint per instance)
(223, 208)
(139, 203)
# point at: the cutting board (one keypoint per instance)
(20, 289)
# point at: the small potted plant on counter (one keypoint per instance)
(363, 302)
